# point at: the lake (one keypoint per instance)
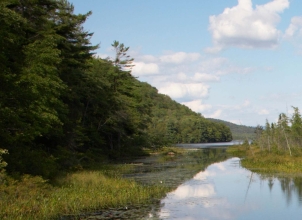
(208, 184)
(225, 190)
(211, 145)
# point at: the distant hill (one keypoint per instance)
(238, 131)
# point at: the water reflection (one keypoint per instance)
(290, 186)
(227, 191)
(211, 145)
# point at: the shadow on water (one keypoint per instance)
(171, 171)
(206, 183)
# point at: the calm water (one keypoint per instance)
(211, 145)
(225, 190)
(209, 185)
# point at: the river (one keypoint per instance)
(225, 190)
(209, 184)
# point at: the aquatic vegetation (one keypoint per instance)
(111, 188)
(265, 161)
(34, 198)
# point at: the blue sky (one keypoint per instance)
(235, 60)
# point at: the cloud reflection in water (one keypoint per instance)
(222, 191)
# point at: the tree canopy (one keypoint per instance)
(62, 107)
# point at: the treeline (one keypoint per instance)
(283, 136)
(61, 107)
(172, 122)
(239, 132)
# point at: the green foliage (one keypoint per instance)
(34, 198)
(239, 132)
(173, 123)
(283, 136)
(61, 108)
(3, 164)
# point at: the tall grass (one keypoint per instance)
(273, 161)
(34, 198)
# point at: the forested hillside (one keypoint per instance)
(61, 107)
(239, 132)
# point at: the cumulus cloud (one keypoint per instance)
(180, 57)
(197, 105)
(179, 90)
(294, 32)
(295, 27)
(197, 78)
(246, 27)
(141, 68)
(182, 77)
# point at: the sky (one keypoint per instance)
(235, 60)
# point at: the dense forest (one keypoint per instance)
(62, 107)
(239, 132)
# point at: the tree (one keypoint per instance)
(2, 162)
(296, 126)
(122, 60)
(283, 124)
(268, 134)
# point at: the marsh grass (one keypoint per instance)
(274, 161)
(34, 198)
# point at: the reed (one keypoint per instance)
(34, 198)
(273, 161)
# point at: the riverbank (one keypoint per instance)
(111, 191)
(264, 161)
(32, 197)
(85, 191)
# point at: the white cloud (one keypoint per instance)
(294, 33)
(179, 90)
(215, 114)
(295, 27)
(245, 27)
(197, 105)
(196, 78)
(141, 68)
(246, 103)
(148, 58)
(203, 77)
(263, 112)
(182, 76)
(180, 57)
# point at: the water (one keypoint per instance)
(211, 145)
(225, 190)
(209, 185)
